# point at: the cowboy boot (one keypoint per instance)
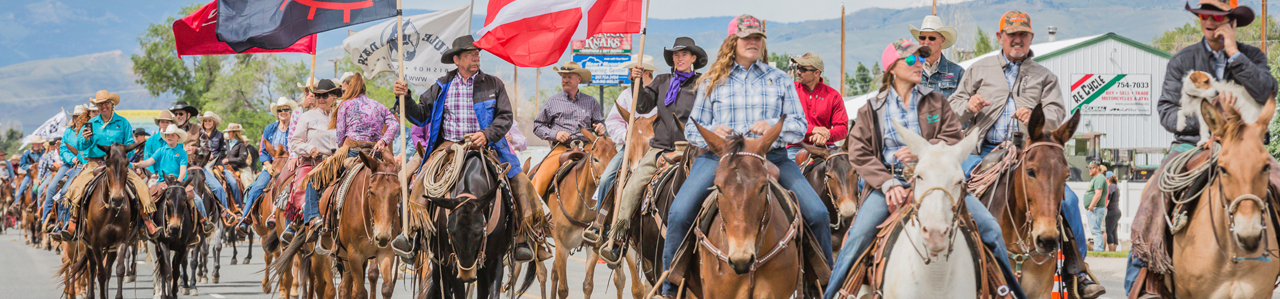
(1090, 289)
(69, 233)
(152, 231)
(287, 236)
(403, 248)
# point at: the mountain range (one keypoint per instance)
(56, 53)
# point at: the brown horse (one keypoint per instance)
(264, 209)
(365, 223)
(1226, 251)
(1027, 199)
(31, 230)
(108, 221)
(649, 221)
(751, 250)
(833, 177)
(572, 210)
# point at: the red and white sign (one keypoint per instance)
(604, 43)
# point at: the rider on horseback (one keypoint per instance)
(743, 95)
(312, 140)
(171, 159)
(671, 97)
(274, 134)
(468, 101)
(71, 164)
(31, 156)
(106, 129)
(881, 157)
(617, 126)
(211, 141)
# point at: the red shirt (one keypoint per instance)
(824, 107)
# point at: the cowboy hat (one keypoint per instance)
(173, 129)
(345, 76)
(182, 105)
(934, 24)
(209, 115)
(307, 86)
(648, 63)
(809, 59)
(326, 86)
(78, 110)
(687, 44)
(461, 44)
(233, 127)
(89, 107)
(1242, 14)
(164, 115)
(37, 139)
(140, 132)
(103, 96)
(284, 101)
(571, 67)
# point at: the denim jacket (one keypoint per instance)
(946, 78)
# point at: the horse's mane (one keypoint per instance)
(734, 144)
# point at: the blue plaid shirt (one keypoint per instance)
(747, 96)
(1004, 124)
(908, 116)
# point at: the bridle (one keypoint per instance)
(956, 208)
(1028, 251)
(831, 183)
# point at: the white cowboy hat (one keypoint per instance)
(284, 101)
(648, 63)
(37, 139)
(217, 120)
(80, 109)
(234, 127)
(173, 129)
(345, 76)
(934, 24)
(90, 107)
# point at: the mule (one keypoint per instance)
(832, 176)
(647, 233)
(109, 219)
(474, 227)
(1226, 250)
(176, 217)
(572, 210)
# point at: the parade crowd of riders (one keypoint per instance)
(734, 95)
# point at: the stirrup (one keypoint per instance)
(591, 235)
(406, 255)
(610, 247)
(523, 253)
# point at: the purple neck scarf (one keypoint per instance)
(677, 78)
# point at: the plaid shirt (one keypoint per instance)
(459, 113)
(908, 117)
(747, 96)
(560, 113)
(47, 161)
(1004, 124)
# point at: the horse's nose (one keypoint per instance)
(742, 266)
(1047, 243)
(381, 241)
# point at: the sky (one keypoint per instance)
(771, 10)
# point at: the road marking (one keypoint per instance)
(217, 296)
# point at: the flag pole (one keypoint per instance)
(313, 67)
(515, 86)
(842, 72)
(635, 97)
(404, 193)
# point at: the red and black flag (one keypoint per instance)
(278, 24)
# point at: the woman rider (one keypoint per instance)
(312, 141)
(274, 134)
(879, 155)
(741, 94)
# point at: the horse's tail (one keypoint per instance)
(530, 275)
(285, 261)
(270, 242)
(75, 268)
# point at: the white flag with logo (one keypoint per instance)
(49, 129)
(427, 37)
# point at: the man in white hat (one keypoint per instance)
(29, 157)
(562, 115)
(274, 134)
(939, 73)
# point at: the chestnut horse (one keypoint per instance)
(1226, 250)
(1027, 199)
(265, 208)
(363, 224)
(108, 222)
(833, 177)
(572, 210)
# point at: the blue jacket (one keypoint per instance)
(946, 78)
(487, 112)
(117, 131)
(29, 157)
(68, 136)
(273, 134)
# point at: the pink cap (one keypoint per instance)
(897, 50)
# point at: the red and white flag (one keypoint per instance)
(535, 33)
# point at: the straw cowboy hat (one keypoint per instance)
(284, 101)
(209, 115)
(164, 115)
(687, 44)
(233, 127)
(37, 139)
(647, 64)
(461, 44)
(306, 86)
(79, 109)
(934, 24)
(103, 96)
(573, 68)
(173, 129)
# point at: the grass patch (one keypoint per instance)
(1113, 254)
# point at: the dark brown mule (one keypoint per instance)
(108, 219)
(752, 250)
(833, 177)
(1026, 200)
(649, 221)
(176, 217)
(572, 210)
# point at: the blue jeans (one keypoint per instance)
(609, 178)
(218, 191)
(1097, 223)
(235, 185)
(200, 205)
(311, 209)
(689, 200)
(875, 211)
(1070, 202)
(793, 151)
(255, 190)
(48, 196)
(23, 186)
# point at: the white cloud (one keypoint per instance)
(772, 10)
(56, 12)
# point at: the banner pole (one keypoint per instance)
(313, 67)
(635, 97)
(404, 191)
(842, 69)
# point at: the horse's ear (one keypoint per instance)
(525, 170)
(105, 149)
(1068, 129)
(1212, 117)
(1268, 111)
(73, 149)
(816, 150)
(915, 142)
(715, 143)
(369, 162)
(447, 203)
(766, 141)
(418, 149)
(587, 134)
(131, 147)
(626, 114)
(1036, 124)
(966, 145)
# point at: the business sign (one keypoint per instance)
(1114, 94)
(604, 43)
(605, 69)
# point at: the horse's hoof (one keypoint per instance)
(215, 280)
(246, 261)
(194, 292)
(204, 279)
(233, 261)
(186, 292)
(130, 279)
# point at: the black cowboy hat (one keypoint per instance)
(140, 132)
(326, 86)
(687, 44)
(461, 44)
(1243, 15)
(182, 105)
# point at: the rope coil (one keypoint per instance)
(1172, 180)
(437, 183)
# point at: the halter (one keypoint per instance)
(956, 206)
(1028, 251)
(744, 154)
(832, 181)
(1267, 253)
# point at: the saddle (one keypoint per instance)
(815, 266)
(870, 268)
(570, 156)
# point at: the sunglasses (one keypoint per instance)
(284, 110)
(928, 38)
(911, 60)
(1215, 18)
(806, 70)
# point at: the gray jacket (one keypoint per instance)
(1250, 71)
(1035, 85)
